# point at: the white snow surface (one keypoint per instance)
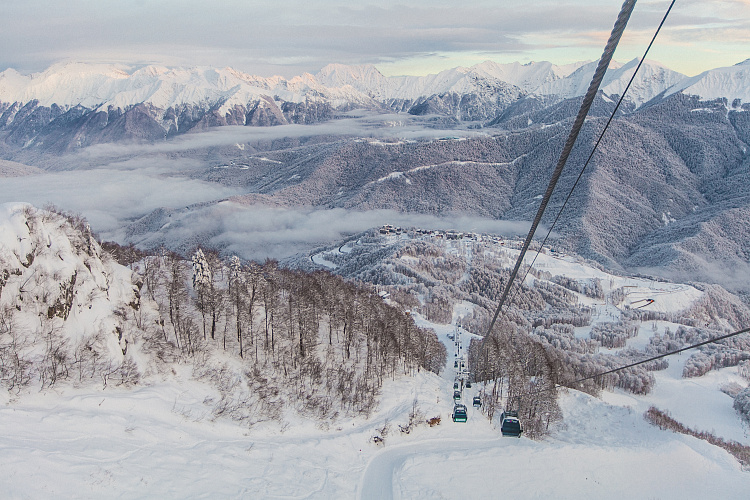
(730, 82)
(667, 297)
(49, 260)
(159, 439)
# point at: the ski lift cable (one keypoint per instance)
(596, 145)
(614, 38)
(653, 358)
(647, 360)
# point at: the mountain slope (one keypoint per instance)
(667, 176)
(729, 83)
(73, 105)
(64, 303)
(153, 438)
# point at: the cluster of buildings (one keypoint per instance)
(389, 229)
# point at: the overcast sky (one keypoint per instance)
(400, 37)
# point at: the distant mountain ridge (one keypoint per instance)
(73, 105)
(118, 85)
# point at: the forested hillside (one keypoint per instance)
(269, 340)
(666, 191)
(557, 328)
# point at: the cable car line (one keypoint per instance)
(653, 358)
(596, 145)
(593, 88)
(618, 29)
(631, 365)
(609, 49)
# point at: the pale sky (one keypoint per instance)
(412, 37)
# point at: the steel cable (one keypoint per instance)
(631, 365)
(609, 50)
(596, 145)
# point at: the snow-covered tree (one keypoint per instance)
(202, 283)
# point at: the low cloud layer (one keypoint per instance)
(358, 124)
(148, 195)
(109, 198)
(260, 232)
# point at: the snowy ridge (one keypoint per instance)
(368, 80)
(529, 76)
(731, 82)
(54, 275)
(75, 105)
(652, 79)
(120, 86)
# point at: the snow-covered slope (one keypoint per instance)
(731, 82)
(158, 441)
(159, 438)
(652, 79)
(55, 282)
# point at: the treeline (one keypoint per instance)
(614, 335)
(575, 366)
(562, 336)
(541, 317)
(725, 353)
(327, 343)
(542, 313)
(742, 404)
(578, 358)
(266, 338)
(742, 399)
(665, 422)
(590, 288)
(519, 374)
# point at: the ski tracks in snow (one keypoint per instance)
(378, 478)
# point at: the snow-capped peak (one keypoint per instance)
(730, 82)
(651, 80)
(104, 86)
(529, 76)
(338, 75)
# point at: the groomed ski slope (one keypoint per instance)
(158, 441)
(600, 451)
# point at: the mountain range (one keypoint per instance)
(668, 191)
(122, 372)
(73, 105)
